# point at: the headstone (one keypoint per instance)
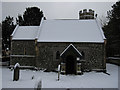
(16, 72)
(38, 84)
(58, 72)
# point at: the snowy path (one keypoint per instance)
(49, 80)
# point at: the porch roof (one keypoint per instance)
(71, 45)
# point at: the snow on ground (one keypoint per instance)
(49, 79)
(119, 77)
(0, 77)
(0, 73)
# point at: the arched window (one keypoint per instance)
(83, 55)
(57, 55)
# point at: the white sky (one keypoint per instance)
(56, 10)
(0, 11)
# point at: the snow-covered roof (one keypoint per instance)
(61, 31)
(25, 33)
(70, 31)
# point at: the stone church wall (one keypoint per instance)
(44, 54)
(94, 55)
(23, 52)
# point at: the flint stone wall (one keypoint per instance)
(94, 55)
(45, 54)
(22, 48)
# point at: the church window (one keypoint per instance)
(57, 55)
(24, 51)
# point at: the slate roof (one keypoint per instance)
(25, 33)
(61, 31)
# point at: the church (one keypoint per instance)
(78, 45)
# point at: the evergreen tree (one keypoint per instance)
(112, 30)
(31, 17)
(0, 30)
(7, 29)
(0, 37)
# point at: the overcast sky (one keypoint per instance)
(56, 10)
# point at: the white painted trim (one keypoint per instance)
(68, 47)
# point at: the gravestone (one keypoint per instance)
(58, 72)
(16, 72)
(38, 84)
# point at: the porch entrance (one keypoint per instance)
(70, 65)
(69, 60)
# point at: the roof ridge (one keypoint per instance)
(37, 36)
(73, 19)
(65, 19)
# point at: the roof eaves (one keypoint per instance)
(70, 41)
(101, 31)
(23, 39)
(15, 30)
(76, 49)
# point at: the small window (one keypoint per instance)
(57, 55)
(83, 55)
(24, 51)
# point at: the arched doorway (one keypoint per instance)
(70, 65)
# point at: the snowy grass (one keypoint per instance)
(49, 79)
